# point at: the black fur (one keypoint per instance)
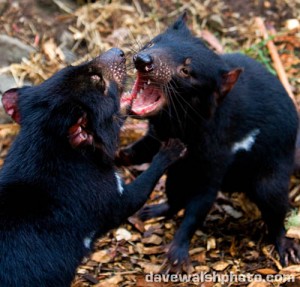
(211, 102)
(53, 196)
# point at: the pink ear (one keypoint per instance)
(228, 81)
(10, 104)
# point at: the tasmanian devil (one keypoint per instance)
(238, 124)
(58, 187)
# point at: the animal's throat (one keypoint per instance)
(147, 97)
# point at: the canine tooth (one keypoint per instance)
(149, 82)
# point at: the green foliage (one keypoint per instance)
(293, 219)
(260, 52)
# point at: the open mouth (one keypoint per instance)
(146, 96)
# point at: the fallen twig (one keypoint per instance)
(276, 59)
(212, 40)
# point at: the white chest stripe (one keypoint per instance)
(119, 184)
(247, 142)
(87, 241)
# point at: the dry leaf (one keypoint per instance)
(52, 51)
(232, 248)
(123, 234)
(290, 269)
(102, 256)
(153, 250)
(266, 271)
(9, 130)
(202, 269)
(232, 212)
(208, 284)
(137, 223)
(141, 282)
(196, 250)
(259, 284)
(293, 232)
(220, 266)
(150, 267)
(110, 282)
(199, 257)
(251, 255)
(81, 271)
(211, 243)
(135, 237)
(198, 254)
(153, 239)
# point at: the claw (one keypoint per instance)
(292, 255)
(177, 260)
(165, 268)
(289, 251)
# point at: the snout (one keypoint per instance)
(143, 62)
(114, 55)
(111, 65)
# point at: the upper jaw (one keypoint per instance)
(146, 97)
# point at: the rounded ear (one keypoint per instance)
(228, 81)
(180, 23)
(10, 104)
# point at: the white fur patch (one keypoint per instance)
(246, 143)
(87, 241)
(119, 184)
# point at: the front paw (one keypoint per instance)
(289, 251)
(178, 259)
(78, 135)
(173, 150)
(153, 210)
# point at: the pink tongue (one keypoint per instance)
(142, 99)
(147, 97)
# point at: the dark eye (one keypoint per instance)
(150, 44)
(184, 72)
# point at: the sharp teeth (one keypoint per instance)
(149, 82)
(140, 93)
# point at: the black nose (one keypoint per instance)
(118, 52)
(143, 62)
(112, 55)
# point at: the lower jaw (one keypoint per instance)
(144, 113)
